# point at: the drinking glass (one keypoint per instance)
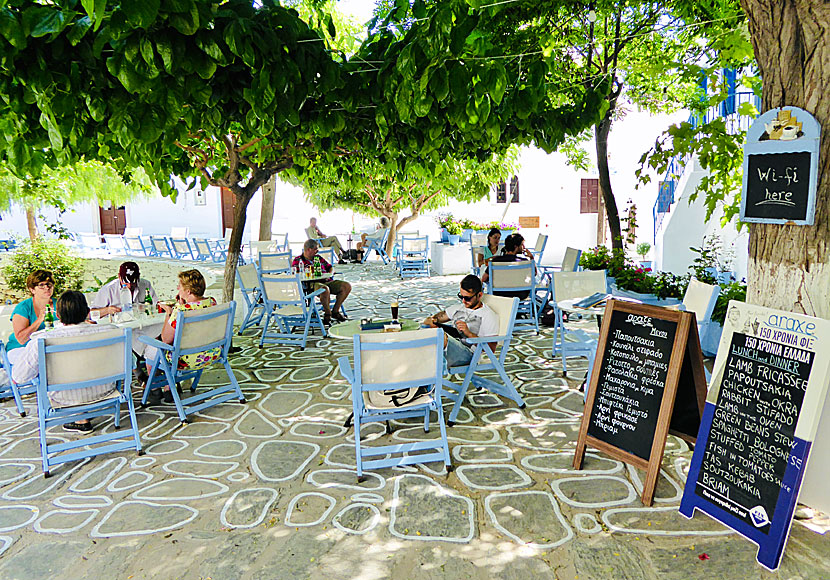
(95, 315)
(394, 306)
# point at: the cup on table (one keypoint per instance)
(95, 316)
(394, 306)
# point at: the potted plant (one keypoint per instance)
(467, 226)
(601, 258)
(642, 249)
(453, 232)
(443, 221)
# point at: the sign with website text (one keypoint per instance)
(781, 168)
(762, 412)
(648, 380)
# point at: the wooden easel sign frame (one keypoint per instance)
(648, 381)
(759, 426)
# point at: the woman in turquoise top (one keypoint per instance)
(493, 239)
(29, 315)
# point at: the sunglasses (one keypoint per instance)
(465, 298)
(46, 285)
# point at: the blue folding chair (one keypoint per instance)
(11, 388)
(248, 280)
(511, 279)
(274, 263)
(484, 359)
(574, 342)
(287, 305)
(376, 242)
(115, 244)
(203, 250)
(327, 254)
(70, 363)
(180, 249)
(413, 257)
(397, 376)
(220, 251)
(160, 247)
(135, 245)
(197, 331)
(544, 285)
(281, 247)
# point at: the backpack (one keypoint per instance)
(548, 317)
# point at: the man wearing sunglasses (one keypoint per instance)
(470, 318)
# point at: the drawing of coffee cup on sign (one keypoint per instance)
(785, 127)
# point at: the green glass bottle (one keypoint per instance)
(49, 317)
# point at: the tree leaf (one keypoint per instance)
(78, 29)
(48, 122)
(10, 29)
(186, 22)
(140, 13)
(51, 22)
(439, 83)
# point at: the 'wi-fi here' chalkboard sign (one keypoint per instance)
(762, 412)
(781, 168)
(648, 380)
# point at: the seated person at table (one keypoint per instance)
(108, 299)
(339, 288)
(512, 246)
(313, 232)
(492, 247)
(361, 245)
(72, 312)
(28, 316)
(189, 296)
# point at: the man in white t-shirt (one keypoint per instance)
(471, 318)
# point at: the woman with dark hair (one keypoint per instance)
(493, 239)
(29, 316)
(189, 296)
(72, 312)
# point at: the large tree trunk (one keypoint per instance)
(601, 132)
(31, 223)
(788, 265)
(240, 216)
(266, 216)
(393, 231)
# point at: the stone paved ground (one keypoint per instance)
(268, 490)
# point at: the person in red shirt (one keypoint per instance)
(339, 288)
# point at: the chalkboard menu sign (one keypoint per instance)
(648, 379)
(755, 433)
(780, 168)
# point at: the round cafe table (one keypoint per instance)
(348, 329)
(142, 324)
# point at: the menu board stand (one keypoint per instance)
(768, 391)
(648, 381)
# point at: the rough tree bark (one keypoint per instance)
(31, 223)
(601, 131)
(789, 266)
(266, 216)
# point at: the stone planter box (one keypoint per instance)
(447, 259)
(650, 299)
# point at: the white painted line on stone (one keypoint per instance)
(238, 476)
(140, 462)
(606, 518)
(95, 533)
(554, 506)
(556, 486)
(110, 467)
(312, 477)
(263, 477)
(255, 413)
(82, 501)
(330, 430)
(200, 451)
(297, 498)
(140, 477)
(286, 412)
(6, 451)
(39, 527)
(57, 480)
(141, 494)
(8, 480)
(189, 430)
(266, 506)
(459, 449)
(638, 485)
(163, 429)
(154, 448)
(33, 509)
(5, 543)
(442, 491)
(367, 497)
(462, 470)
(222, 467)
(616, 467)
(372, 523)
(681, 468)
(586, 523)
